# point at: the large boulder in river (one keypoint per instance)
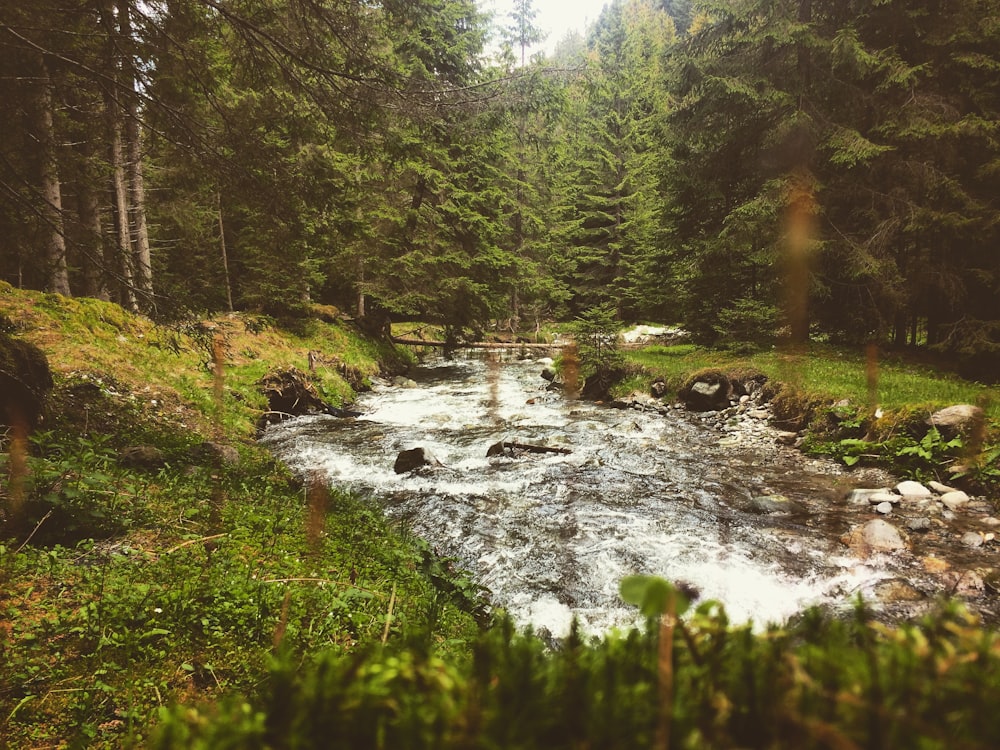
(25, 381)
(707, 390)
(413, 459)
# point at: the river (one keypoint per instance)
(551, 535)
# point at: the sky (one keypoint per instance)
(556, 17)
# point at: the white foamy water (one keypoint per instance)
(551, 535)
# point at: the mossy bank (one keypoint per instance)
(152, 554)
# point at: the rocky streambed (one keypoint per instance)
(718, 499)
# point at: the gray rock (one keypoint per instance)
(142, 457)
(919, 524)
(884, 508)
(954, 500)
(771, 504)
(911, 490)
(957, 420)
(864, 496)
(973, 539)
(214, 452)
(786, 438)
(875, 536)
(548, 374)
(941, 489)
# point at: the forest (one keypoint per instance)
(749, 169)
(199, 195)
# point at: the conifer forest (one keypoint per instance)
(219, 214)
(745, 168)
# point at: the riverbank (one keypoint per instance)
(152, 553)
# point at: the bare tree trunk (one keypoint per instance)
(119, 191)
(360, 308)
(116, 158)
(92, 257)
(225, 255)
(57, 272)
(136, 183)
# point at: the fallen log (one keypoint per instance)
(473, 344)
(499, 449)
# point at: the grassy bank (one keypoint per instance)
(856, 406)
(151, 554)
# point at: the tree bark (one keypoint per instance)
(116, 159)
(136, 184)
(57, 271)
(225, 255)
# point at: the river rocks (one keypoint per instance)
(884, 508)
(941, 489)
(872, 497)
(548, 374)
(658, 388)
(895, 590)
(413, 459)
(921, 523)
(973, 539)
(216, 453)
(770, 504)
(911, 490)
(954, 500)
(708, 390)
(875, 536)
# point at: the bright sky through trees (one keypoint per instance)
(556, 17)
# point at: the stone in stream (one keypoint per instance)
(875, 536)
(412, 459)
(911, 490)
(919, 524)
(973, 539)
(771, 504)
(941, 489)
(894, 590)
(884, 508)
(954, 500)
(864, 496)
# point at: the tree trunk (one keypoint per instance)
(57, 272)
(92, 252)
(136, 183)
(116, 159)
(225, 255)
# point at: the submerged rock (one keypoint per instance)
(771, 504)
(412, 459)
(875, 536)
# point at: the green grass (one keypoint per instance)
(125, 590)
(831, 372)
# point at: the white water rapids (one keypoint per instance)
(551, 535)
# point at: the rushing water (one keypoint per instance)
(551, 535)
